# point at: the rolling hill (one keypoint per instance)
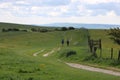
(17, 61)
(79, 25)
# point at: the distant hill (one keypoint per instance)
(79, 25)
(5, 25)
(15, 25)
(52, 25)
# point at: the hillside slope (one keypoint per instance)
(18, 62)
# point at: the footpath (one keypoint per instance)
(79, 66)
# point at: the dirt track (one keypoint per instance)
(35, 54)
(79, 66)
(52, 51)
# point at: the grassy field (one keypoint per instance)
(107, 44)
(18, 63)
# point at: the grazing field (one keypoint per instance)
(107, 44)
(17, 61)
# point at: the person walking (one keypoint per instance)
(68, 42)
(62, 42)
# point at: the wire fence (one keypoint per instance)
(112, 53)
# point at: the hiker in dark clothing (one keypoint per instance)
(68, 42)
(62, 42)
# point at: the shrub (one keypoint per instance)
(115, 34)
(4, 30)
(56, 29)
(30, 78)
(15, 29)
(10, 30)
(33, 29)
(25, 71)
(67, 53)
(64, 29)
(71, 28)
(43, 30)
(24, 30)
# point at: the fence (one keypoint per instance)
(94, 45)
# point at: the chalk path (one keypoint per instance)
(35, 54)
(89, 68)
(52, 51)
(79, 66)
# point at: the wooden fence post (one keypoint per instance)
(94, 52)
(100, 46)
(91, 45)
(119, 55)
(111, 53)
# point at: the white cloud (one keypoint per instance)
(64, 9)
(34, 11)
(111, 13)
(5, 5)
(22, 2)
(97, 1)
(54, 14)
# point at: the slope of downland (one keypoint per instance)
(107, 44)
(18, 62)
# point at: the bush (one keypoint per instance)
(10, 30)
(25, 71)
(64, 29)
(33, 29)
(24, 30)
(56, 29)
(115, 35)
(67, 53)
(71, 28)
(39, 30)
(15, 29)
(4, 30)
(30, 78)
(43, 30)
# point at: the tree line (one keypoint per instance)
(37, 29)
(48, 30)
(13, 30)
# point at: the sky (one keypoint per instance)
(58, 11)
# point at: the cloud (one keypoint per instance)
(5, 5)
(43, 2)
(96, 1)
(111, 13)
(54, 3)
(59, 9)
(103, 8)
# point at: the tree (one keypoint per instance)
(43, 30)
(4, 30)
(115, 34)
(33, 29)
(64, 29)
(71, 28)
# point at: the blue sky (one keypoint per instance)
(54, 11)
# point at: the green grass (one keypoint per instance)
(84, 56)
(18, 63)
(107, 44)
